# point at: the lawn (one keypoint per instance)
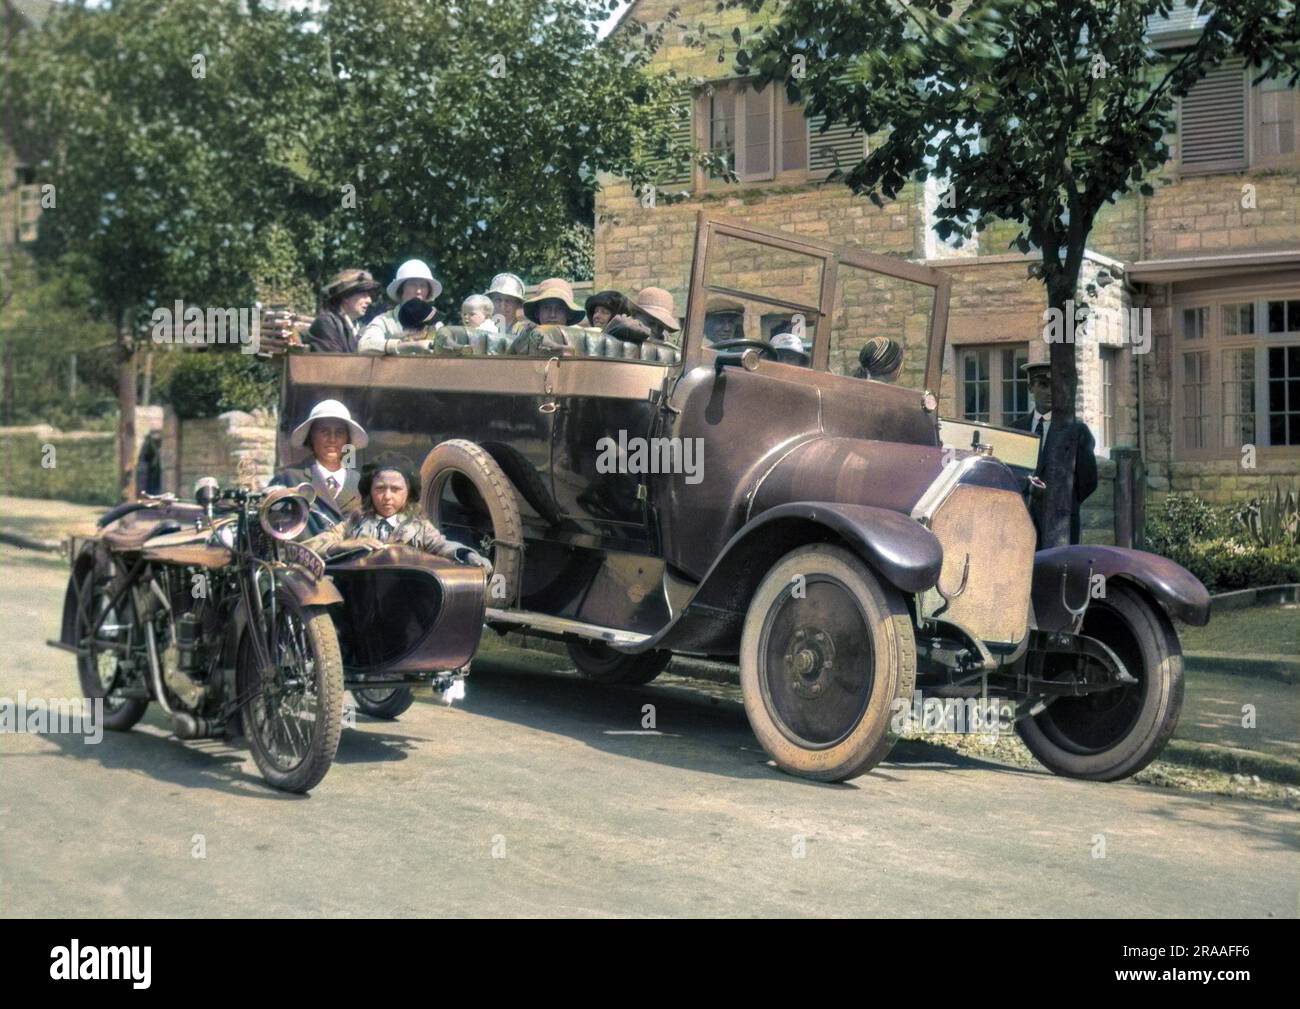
(1256, 630)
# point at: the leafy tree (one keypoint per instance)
(162, 127)
(1037, 112)
(472, 133)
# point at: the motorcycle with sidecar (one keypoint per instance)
(212, 610)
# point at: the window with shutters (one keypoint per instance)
(1212, 122)
(764, 137)
(1226, 125)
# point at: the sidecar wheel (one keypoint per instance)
(601, 664)
(294, 716)
(1114, 734)
(826, 656)
(387, 704)
(99, 671)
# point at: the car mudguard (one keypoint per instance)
(904, 553)
(1062, 580)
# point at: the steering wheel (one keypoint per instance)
(761, 346)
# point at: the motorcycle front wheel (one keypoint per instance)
(293, 714)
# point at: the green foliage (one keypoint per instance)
(1273, 520)
(84, 470)
(209, 383)
(218, 152)
(1213, 543)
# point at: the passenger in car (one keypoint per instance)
(390, 515)
(326, 434)
(652, 316)
(383, 334)
(507, 294)
(346, 298)
(551, 305)
(881, 358)
(790, 350)
(476, 313)
(603, 306)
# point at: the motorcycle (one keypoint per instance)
(214, 612)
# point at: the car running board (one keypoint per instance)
(549, 624)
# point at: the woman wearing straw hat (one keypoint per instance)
(551, 304)
(383, 334)
(326, 434)
(346, 297)
(507, 294)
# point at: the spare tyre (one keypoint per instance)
(468, 496)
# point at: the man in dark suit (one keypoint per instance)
(326, 434)
(1039, 422)
(347, 297)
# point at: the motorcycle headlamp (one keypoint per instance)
(284, 512)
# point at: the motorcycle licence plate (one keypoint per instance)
(296, 553)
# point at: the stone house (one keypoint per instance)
(1209, 395)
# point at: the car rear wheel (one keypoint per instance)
(1115, 733)
(599, 662)
(826, 651)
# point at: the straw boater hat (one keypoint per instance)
(414, 269)
(658, 304)
(508, 285)
(554, 289)
(329, 409)
(347, 282)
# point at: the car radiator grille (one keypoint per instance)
(993, 529)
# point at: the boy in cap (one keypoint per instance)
(507, 294)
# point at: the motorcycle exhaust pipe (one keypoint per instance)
(187, 726)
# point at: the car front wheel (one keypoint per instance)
(1115, 733)
(827, 651)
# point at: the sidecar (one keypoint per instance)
(406, 617)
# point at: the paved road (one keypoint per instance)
(540, 797)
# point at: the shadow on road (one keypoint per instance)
(693, 728)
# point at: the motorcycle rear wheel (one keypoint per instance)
(99, 671)
(293, 716)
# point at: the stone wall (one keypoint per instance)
(236, 447)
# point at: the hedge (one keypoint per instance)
(84, 469)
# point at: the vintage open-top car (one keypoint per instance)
(726, 501)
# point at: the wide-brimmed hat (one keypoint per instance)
(507, 284)
(415, 313)
(554, 289)
(414, 269)
(658, 304)
(347, 282)
(329, 409)
(614, 301)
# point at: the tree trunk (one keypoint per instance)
(1061, 444)
(126, 406)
